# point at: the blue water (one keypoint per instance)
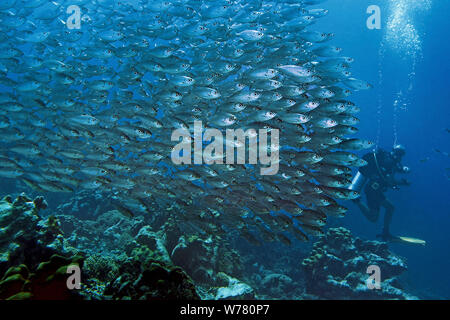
(419, 122)
(422, 209)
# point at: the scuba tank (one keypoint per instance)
(358, 182)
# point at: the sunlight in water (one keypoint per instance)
(401, 33)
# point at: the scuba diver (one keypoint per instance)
(377, 177)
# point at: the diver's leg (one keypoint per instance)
(387, 217)
(372, 210)
(371, 214)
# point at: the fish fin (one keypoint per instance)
(406, 240)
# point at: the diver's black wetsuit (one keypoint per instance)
(379, 171)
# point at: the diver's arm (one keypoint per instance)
(403, 182)
(401, 168)
(405, 169)
(390, 181)
(394, 183)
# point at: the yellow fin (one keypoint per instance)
(413, 240)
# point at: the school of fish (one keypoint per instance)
(94, 108)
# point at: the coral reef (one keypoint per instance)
(27, 238)
(47, 282)
(208, 260)
(203, 258)
(131, 258)
(278, 285)
(101, 268)
(273, 270)
(337, 268)
(35, 253)
(109, 234)
(235, 290)
(156, 280)
(215, 267)
(111, 238)
(84, 204)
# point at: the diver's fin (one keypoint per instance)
(407, 240)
